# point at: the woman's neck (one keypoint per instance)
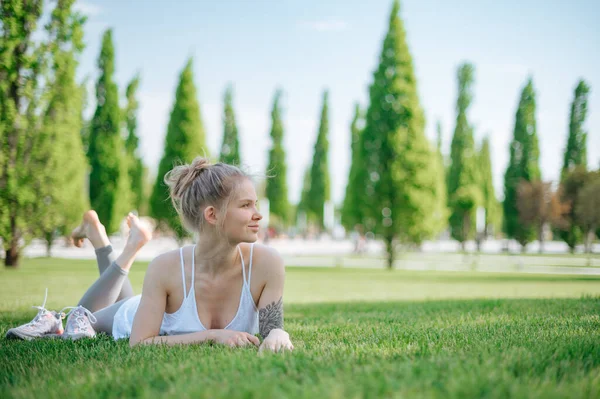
(214, 256)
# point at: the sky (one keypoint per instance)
(306, 47)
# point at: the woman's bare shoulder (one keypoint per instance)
(165, 264)
(266, 259)
(166, 259)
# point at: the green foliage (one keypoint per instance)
(399, 185)
(133, 158)
(576, 150)
(464, 191)
(570, 190)
(303, 203)
(352, 212)
(22, 62)
(441, 212)
(230, 148)
(276, 189)
(523, 165)
(490, 202)
(184, 141)
(62, 189)
(109, 178)
(587, 211)
(319, 192)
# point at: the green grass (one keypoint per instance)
(357, 333)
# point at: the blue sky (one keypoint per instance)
(305, 47)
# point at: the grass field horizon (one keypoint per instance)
(357, 333)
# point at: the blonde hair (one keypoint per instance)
(194, 187)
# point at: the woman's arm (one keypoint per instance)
(270, 304)
(149, 316)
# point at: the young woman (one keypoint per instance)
(223, 289)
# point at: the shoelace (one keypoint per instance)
(79, 320)
(42, 311)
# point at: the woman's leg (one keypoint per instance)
(106, 316)
(106, 290)
(105, 256)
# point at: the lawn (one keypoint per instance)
(357, 333)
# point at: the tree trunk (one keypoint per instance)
(12, 256)
(587, 241)
(12, 253)
(541, 238)
(49, 238)
(466, 227)
(390, 251)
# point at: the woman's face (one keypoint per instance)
(241, 220)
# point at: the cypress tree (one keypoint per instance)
(230, 148)
(303, 203)
(62, 190)
(319, 173)
(438, 142)
(441, 192)
(523, 165)
(134, 160)
(276, 189)
(21, 65)
(490, 202)
(576, 150)
(575, 159)
(463, 181)
(400, 185)
(351, 208)
(184, 141)
(109, 179)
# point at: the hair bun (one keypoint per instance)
(198, 165)
(181, 177)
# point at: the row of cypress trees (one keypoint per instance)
(42, 159)
(402, 189)
(400, 186)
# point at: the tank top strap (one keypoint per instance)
(183, 272)
(193, 266)
(243, 264)
(250, 265)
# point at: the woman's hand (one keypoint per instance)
(234, 338)
(278, 340)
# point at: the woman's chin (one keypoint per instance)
(249, 238)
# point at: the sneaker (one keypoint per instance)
(44, 324)
(79, 323)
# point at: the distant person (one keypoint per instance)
(223, 289)
(358, 239)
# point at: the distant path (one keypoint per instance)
(440, 255)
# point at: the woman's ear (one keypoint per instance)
(210, 215)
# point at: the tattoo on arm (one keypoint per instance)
(270, 317)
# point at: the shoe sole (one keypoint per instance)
(75, 337)
(16, 335)
(51, 336)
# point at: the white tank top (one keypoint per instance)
(185, 319)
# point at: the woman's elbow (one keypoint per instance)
(135, 340)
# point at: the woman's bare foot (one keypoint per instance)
(139, 233)
(92, 229)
